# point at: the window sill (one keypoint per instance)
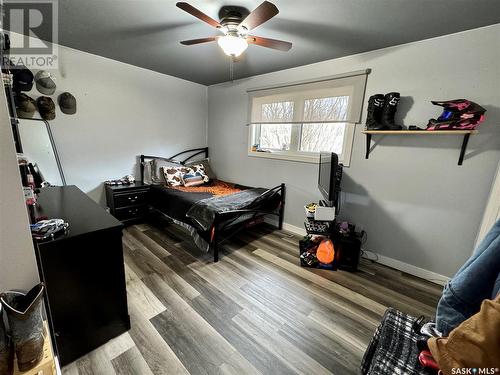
(301, 158)
(313, 159)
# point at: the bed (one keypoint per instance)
(215, 211)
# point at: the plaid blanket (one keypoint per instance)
(393, 348)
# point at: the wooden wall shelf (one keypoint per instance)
(466, 134)
(421, 132)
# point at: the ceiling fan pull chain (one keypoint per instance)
(231, 69)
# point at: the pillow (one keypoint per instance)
(157, 175)
(199, 170)
(148, 172)
(192, 180)
(208, 170)
(173, 175)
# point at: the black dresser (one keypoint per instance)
(84, 273)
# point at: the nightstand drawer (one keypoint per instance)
(129, 213)
(133, 198)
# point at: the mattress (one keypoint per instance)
(194, 207)
(175, 203)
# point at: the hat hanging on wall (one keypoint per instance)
(25, 105)
(45, 83)
(46, 107)
(67, 103)
(23, 78)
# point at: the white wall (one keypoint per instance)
(123, 111)
(17, 257)
(416, 204)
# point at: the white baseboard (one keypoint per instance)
(295, 230)
(434, 277)
(386, 261)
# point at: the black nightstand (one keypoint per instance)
(128, 203)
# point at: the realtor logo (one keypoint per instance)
(32, 30)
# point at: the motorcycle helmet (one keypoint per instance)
(458, 114)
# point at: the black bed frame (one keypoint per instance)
(225, 224)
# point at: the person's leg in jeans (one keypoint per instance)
(474, 282)
(496, 288)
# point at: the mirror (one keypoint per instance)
(37, 145)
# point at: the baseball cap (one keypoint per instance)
(44, 82)
(23, 78)
(25, 105)
(46, 107)
(67, 103)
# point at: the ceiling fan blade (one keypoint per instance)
(198, 41)
(264, 12)
(198, 14)
(269, 43)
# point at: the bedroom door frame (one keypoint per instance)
(492, 211)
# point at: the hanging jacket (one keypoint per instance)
(474, 344)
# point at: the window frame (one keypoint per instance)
(298, 97)
(302, 156)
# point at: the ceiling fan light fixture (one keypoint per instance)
(232, 45)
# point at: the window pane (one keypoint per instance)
(275, 136)
(326, 109)
(277, 112)
(323, 137)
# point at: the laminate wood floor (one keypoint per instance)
(256, 311)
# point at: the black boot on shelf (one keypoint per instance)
(374, 116)
(391, 101)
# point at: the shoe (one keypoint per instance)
(429, 330)
(374, 116)
(6, 349)
(24, 314)
(391, 101)
(417, 324)
(422, 342)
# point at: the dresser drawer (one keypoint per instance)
(132, 198)
(128, 213)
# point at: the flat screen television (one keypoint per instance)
(330, 173)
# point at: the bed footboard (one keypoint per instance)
(225, 219)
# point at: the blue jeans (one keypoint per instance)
(476, 280)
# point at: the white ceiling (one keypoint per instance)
(146, 33)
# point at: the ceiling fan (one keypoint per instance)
(235, 23)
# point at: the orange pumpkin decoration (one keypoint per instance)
(325, 252)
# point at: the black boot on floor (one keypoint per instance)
(391, 101)
(374, 116)
(24, 314)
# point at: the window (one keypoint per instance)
(299, 121)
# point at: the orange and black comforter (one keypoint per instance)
(176, 202)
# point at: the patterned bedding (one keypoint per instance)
(216, 188)
(176, 202)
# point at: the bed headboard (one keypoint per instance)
(190, 154)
